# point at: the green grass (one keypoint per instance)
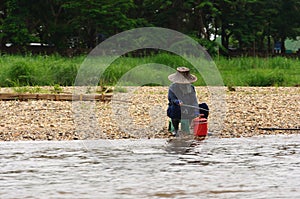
(16, 70)
(254, 71)
(19, 70)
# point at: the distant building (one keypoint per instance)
(292, 46)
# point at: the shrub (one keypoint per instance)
(64, 74)
(21, 74)
(263, 79)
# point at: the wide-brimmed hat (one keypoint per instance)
(182, 76)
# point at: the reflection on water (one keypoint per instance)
(259, 167)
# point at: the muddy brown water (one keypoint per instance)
(257, 167)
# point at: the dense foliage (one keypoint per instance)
(17, 70)
(76, 24)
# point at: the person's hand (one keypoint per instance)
(196, 114)
(178, 102)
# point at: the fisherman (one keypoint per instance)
(182, 92)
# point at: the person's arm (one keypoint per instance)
(173, 99)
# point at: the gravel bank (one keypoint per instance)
(141, 112)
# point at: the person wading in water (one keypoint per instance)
(182, 92)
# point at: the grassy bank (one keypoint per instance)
(51, 70)
(254, 71)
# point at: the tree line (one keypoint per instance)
(76, 24)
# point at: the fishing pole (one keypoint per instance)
(195, 107)
(186, 105)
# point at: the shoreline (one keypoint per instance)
(141, 113)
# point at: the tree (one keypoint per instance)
(286, 24)
(95, 17)
(13, 26)
(246, 24)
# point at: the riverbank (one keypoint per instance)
(142, 114)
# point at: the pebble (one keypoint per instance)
(141, 113)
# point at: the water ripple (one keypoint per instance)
(258, 167)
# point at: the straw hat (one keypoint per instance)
(182, 76)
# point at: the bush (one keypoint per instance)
(263, 79)
(64, 74)
(20, 74)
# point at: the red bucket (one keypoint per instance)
(200, 127)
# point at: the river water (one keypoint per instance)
(257, 167)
